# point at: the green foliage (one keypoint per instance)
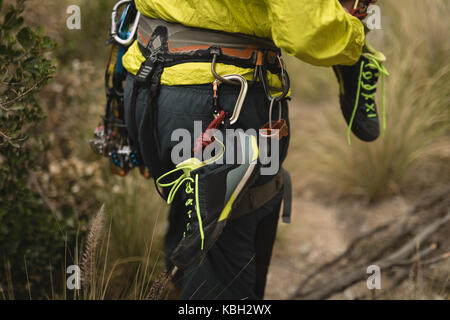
(23, 71)
(31, 238)
(68, 178)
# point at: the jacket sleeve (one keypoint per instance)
(319, 32)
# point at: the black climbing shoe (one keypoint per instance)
(358, 85)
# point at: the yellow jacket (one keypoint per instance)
(318, 32)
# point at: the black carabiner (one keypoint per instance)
(284, 78)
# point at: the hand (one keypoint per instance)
(361, 10)
(348, 5)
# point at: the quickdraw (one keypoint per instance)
(220, 116)
(111, 139)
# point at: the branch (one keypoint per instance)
(4, 105)
(354, 275)
(409, 247)
(350, 248)
(6, 137)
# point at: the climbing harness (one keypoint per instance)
(177, 44)
(165, 44)
(111, 139)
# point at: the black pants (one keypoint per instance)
(236, 266)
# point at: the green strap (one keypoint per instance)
(176, 184)
(199, 217)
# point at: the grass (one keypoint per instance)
(414, 151)
(108, 276)
(109, 268)
(137, 227)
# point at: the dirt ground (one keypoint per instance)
(319, 231)
(317, 234)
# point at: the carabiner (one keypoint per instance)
(274, 129)
(270, 111)
(242, 95)
(114, 33)
(284, 79)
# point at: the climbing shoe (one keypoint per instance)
(210, 190)
(358, 85)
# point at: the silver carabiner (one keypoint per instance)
(272, 101)
(241, 98)
(134, 27)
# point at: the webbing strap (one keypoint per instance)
(287, 197)
(153, 87)
(206, 55)
(258, 196)
(134, 133)
(181, 44)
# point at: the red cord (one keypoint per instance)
(206, 138)
(361, 13)
(356, 13)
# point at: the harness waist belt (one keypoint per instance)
(186, 44)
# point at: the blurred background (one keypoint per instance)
(50, 218)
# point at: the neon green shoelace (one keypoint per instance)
(370, 107)
(186, 179)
